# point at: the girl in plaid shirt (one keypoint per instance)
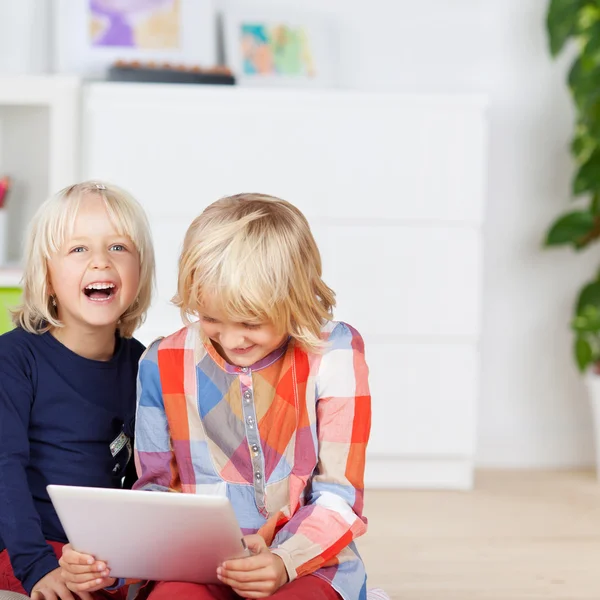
(262, 398)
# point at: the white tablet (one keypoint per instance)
(158, 536)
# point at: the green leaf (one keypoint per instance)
(584, 80)
(589, 297)
(583, 353)
(571, 228)
(561, 22)
(587, 178)
(580, 324)
(587, 321)
(583, 144)
(589, 123)
(592, 314)
(591, 46)
(586, 324)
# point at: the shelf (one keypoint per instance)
(36, 90)
(39, 146)
(10, 277)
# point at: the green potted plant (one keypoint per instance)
(578, 22)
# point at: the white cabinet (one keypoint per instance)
(393, 186)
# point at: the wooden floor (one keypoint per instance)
(517, 536)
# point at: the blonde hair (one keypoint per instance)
(52, 224)
(257, 256)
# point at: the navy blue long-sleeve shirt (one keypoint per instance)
(59, 414)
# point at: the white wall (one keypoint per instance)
(25, 20)
(533, 410)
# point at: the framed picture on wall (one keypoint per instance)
(279, 47)
(90, 35)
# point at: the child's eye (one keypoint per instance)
(78, 249)
(252, 325)
(118, 248)
(209, 320)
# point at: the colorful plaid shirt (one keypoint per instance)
(284, 440)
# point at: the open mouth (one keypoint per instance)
(100, 291)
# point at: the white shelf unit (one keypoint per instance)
(393, 186)
(39, 142)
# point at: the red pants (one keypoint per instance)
(9, 582)
(303, 588)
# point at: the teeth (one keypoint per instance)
(100, 286)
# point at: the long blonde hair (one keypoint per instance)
(257, 256)
(52, 224)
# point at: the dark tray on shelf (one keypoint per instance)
(165, 75)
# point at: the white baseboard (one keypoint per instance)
(419, 473)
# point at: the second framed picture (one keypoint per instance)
(278, 47)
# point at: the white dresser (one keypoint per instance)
(394, 188)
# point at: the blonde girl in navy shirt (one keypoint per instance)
(68, 373)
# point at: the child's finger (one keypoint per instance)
(240, 577)
(91, 586)
(257, 584)
(83, 577)
(255, 542)
(250, 563)
(77, 558)
(77, 569)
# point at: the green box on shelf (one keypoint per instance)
(9, 298)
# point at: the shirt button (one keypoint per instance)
(255, 448)
(244, 369)
(250, 422)
(247, 396)
(257, 476)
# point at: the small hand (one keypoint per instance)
(257, 576)
(82, 573)
(52, 587)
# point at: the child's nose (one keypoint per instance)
(232, 339)
(100, 260)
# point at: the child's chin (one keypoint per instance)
(99, 321)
